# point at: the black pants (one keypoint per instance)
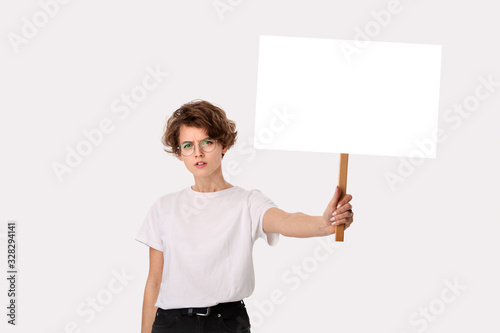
(222, 319)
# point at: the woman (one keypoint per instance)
(201, 238)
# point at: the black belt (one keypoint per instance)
(199, 311)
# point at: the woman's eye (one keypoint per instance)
(186, 145)
(206, 142)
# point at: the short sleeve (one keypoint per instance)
(149, 233)
(259, 204)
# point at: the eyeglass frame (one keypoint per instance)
(199, 145)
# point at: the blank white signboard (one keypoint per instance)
(311, 98)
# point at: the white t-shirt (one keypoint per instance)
(207, 241)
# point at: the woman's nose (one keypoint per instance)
(197, 150)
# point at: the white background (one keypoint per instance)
(437, 224)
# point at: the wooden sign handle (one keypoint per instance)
(339, 229)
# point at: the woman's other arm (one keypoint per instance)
(151, 290)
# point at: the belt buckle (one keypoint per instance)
(204, 314)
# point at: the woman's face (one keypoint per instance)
(212, 159)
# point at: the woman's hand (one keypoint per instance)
(339, 211)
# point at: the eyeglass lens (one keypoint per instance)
(207, 145)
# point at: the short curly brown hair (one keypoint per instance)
(201, 114)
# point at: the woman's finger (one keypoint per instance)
(344, 215)
(338, 221)
(342, 209)
(344, 200)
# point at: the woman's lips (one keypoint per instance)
(201, 166)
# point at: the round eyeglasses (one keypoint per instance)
(187, 147)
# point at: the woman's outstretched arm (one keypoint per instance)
(302, 225)
(151, 290)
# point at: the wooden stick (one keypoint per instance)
(339, 229)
